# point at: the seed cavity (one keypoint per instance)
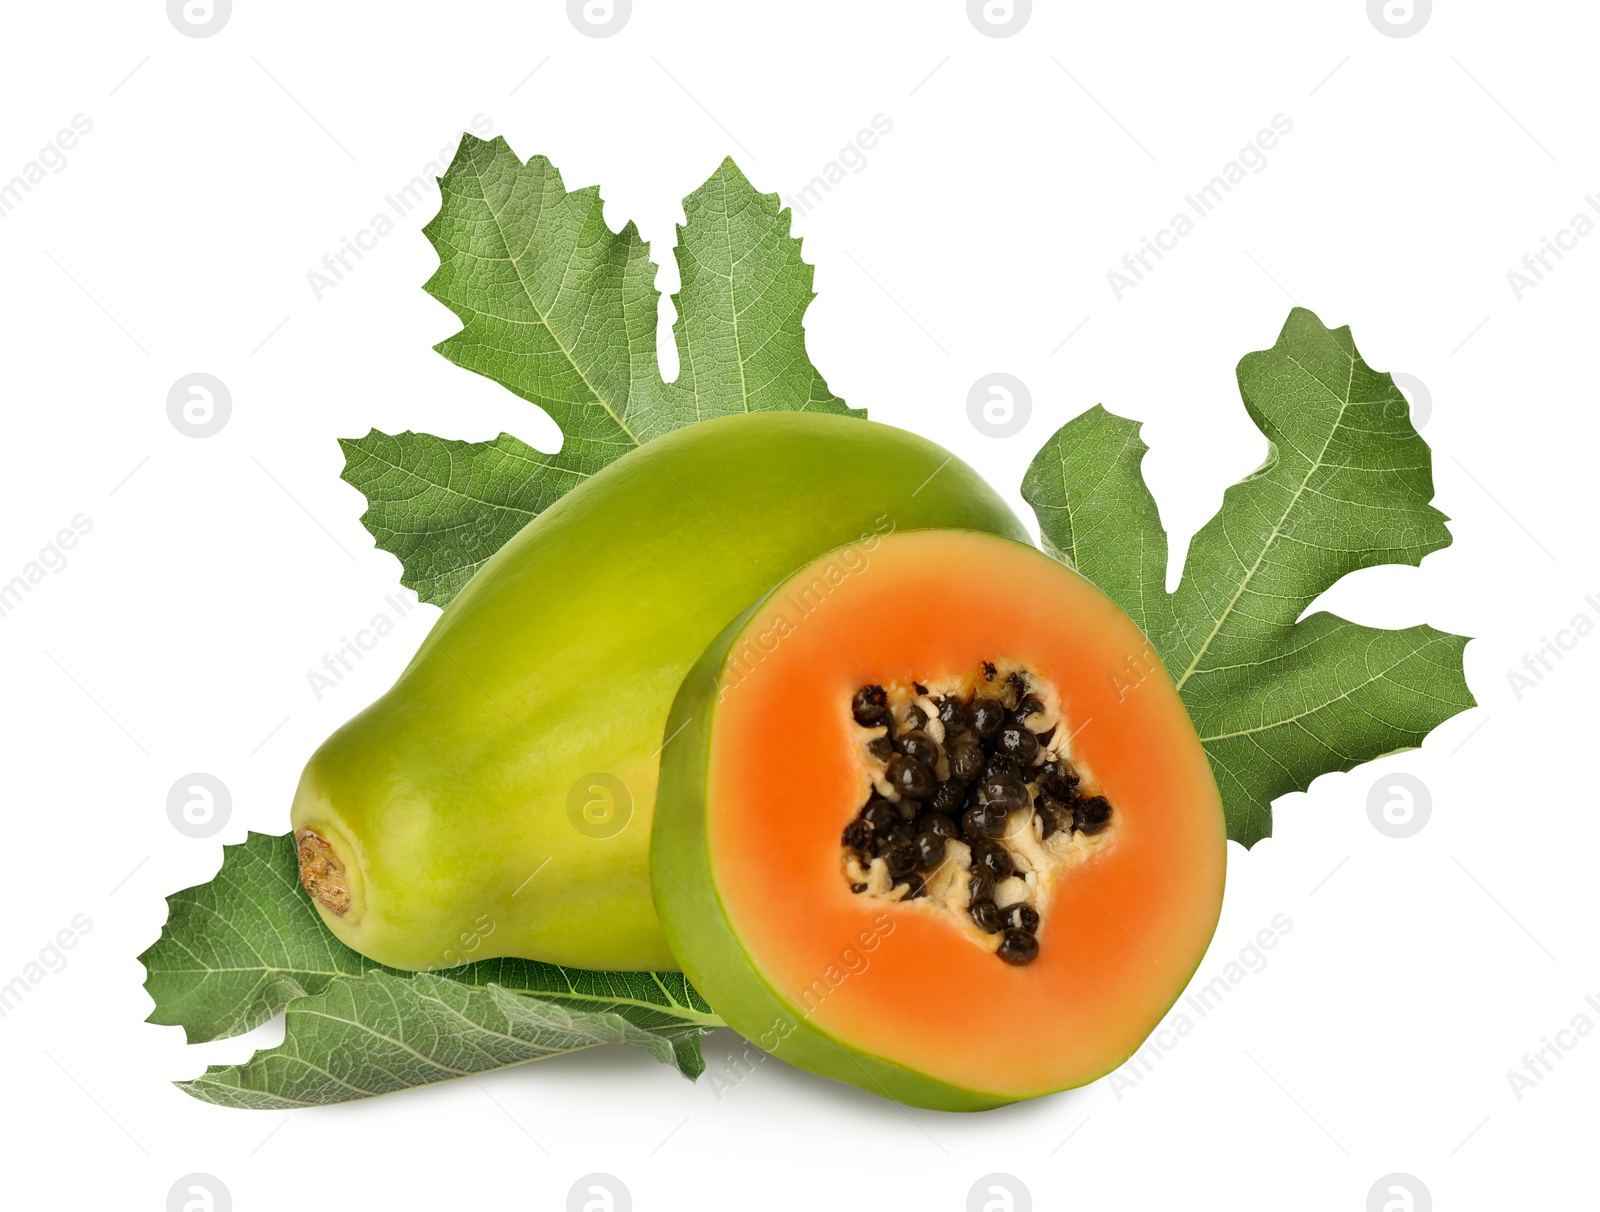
(975, 803)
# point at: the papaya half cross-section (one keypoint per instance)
(497, 800)
(935, 822)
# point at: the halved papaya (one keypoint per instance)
(932, 820)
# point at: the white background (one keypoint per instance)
(977, 238)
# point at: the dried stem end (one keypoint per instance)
(321, 872)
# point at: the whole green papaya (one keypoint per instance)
(497, 800)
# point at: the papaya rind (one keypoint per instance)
(697, 924)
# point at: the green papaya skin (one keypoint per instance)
(687, 898)
(497, 801)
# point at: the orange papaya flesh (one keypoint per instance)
(809, 948)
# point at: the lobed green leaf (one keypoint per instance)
(561, 310)
(1347, 484)
(383, 1033)
(248, 944)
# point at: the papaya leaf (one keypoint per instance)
(235, 951)
(561, 310)
(248, 944)
(384, 1033)
(1347, 484)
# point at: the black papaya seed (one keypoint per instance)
(930, 850)
(1005, 790)
(1058, 778)
(966, 760)
(987, 717)
(993, 858)
(984, 821)
(880, 814)
(1018, 947)
(938, 823)
(870, 706)
(919, 746)
(858, 836)
(902, 859)
(1000, 763)
(979, 886)
(1015, 741)
(987, 917)
(1092, 815)
(910, 777)
(881, 747)
(953, 715)
(949, 796)
(1058, 789)
(1024, 918)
